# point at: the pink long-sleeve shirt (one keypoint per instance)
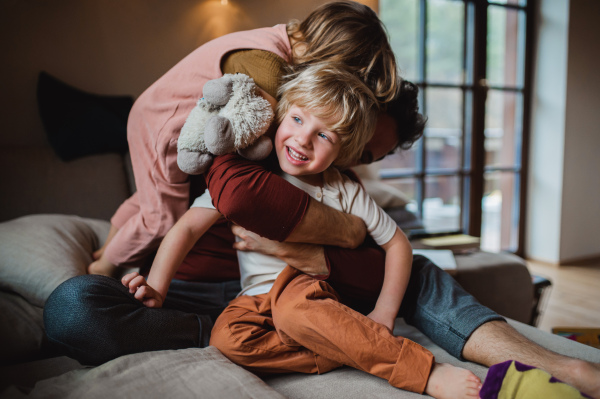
(154, 124)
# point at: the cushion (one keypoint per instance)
(187, 373)
(35, 180)
(21, 329)
(79, 123)
(41, 251)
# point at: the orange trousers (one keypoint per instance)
(300, 326)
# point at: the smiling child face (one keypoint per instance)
(305, 146)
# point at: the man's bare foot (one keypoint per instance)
(496, 342)
(449, 382)
(583, 375)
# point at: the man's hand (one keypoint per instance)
(307, 258)
(253, 242)
(142, 291)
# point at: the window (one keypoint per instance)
(469, 59)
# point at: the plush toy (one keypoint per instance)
(230, 117)
(514, 380)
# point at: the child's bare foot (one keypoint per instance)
(103, 267)
(97, 254)
(449, 382)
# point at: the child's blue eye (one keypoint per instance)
(323, 135)
(297, 120)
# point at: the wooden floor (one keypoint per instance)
(573, 300)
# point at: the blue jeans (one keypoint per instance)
(95, 319)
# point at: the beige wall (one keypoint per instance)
(581, 187)
(110, 46)
(545, 182)
(564, 173)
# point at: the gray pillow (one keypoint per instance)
(21, 329)
(38, 252)
(186, 373)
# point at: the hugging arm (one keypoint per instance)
(248, 194)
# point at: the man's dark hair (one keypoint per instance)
(405, 111)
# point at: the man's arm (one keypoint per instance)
(308, 258)
(326, 226)
(248, 194)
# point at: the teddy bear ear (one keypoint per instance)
(193, 163)
(218, 91)
(259, 150)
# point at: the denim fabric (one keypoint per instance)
(437, 305)
(440, 308)
(95, 319)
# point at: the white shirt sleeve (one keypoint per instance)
(203, 201)
(358, 202)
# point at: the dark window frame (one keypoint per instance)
(472, 170)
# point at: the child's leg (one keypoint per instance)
(307, 311)
(245, 334)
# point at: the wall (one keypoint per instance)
(581, 179)
(110, 46)
(564, 183)
(545, 184)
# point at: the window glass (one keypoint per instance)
(401, 18)
(499, 219)
(441, 205)
(503, 121)
(505, 47)
(513, 2)
(445, 41)
(401, 162)
(410, 188)
(443, 134)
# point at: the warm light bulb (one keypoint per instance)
(224, 2)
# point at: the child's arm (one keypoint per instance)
(398, 264)
(173, 249)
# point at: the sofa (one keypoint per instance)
(54, 212)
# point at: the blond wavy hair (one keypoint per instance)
(349, 33)
(332, 93)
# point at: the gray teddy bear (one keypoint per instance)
(230, 117)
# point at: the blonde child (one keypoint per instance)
(287, 321)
